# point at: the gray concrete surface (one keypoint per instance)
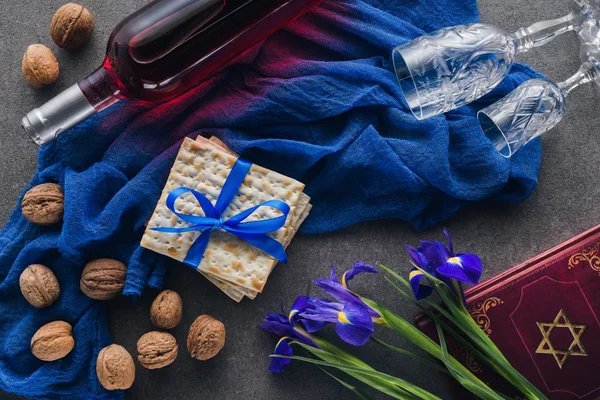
(564, 204)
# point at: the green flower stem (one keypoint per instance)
(432, 362)
(412, 391)
(348, 386)
(464, 320)
(414, 335)
(330, 353)
(360, 370)
(458, 314)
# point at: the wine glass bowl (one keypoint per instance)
(452, 67)
(535, 107)
(589, 28)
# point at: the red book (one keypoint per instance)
(544, 315)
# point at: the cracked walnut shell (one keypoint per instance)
(166, 310)
(43, 204)
(115, 368)
(39, 286)
(103, 279)
(205, 338)
(53, 341)
(39, 66)
(157, 350)
(72, 26)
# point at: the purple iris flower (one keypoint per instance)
(353, 322)
(441, 261)
(340, 291)
(280, 325)
(353, 318)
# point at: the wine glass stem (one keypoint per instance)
(586, 73)
(543, 32)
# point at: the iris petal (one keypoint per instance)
(463, 267)
(301, 303)
(414, 254)
(335, 290)
(312, 326)
(426, 264)
(353, 335)
(283, 348)
(359, 268)
(420, 291)
(277, 324)
(435, 253)
(358, 315)
(443, 251)
(333, 276)
(449, 241)
(354, 325)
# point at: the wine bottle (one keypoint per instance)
(161, 51)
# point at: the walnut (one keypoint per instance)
(43, 204)
(157, 350)
(206, 337)
(103, 279)
(115, 368)
(39, 286)
(39, 66)
(52, 341)
(72, 26)
(166, 310)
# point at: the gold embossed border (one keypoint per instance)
(590, 256)
(479, 312)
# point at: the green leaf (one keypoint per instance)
(483, 346)
(344, 359)
(432, 362)
(482, 391)
(420, 339)
(356, 390)
(462, 318)
(435, 318)
(414, 390)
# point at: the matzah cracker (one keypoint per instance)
(220, 143)
(295, 212)
(230, 288)
(299, 215)
(282, 234)
(203, 168)
(233, 293)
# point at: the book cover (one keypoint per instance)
(544, 316)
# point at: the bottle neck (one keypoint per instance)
(586, 73)
(101, 88)
(543, 32)
(90, 95)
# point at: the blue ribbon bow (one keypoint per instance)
(253, 232)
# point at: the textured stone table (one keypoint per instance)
(564, 204)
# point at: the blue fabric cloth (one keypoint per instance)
(316, 101)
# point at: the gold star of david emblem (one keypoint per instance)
(546, 346)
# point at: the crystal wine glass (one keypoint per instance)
(457, 65)
(535, 107)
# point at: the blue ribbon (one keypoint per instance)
(253, 232)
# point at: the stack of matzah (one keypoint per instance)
(233, 265)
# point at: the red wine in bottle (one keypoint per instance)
(159, 52)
